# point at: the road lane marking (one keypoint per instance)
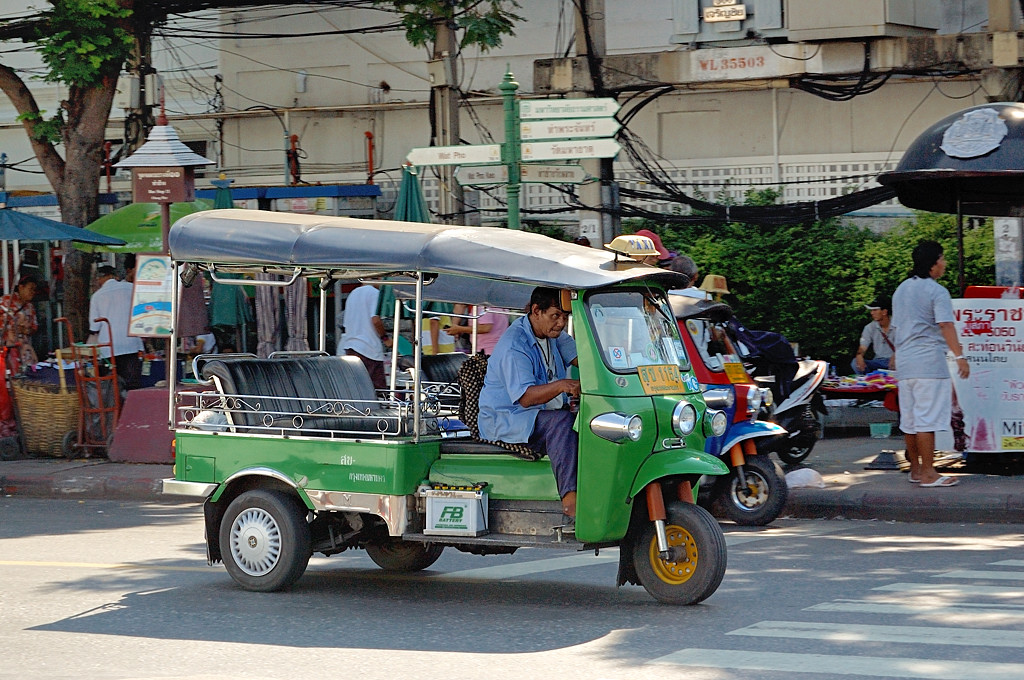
(1008, 563)
(978, 574)
(852, 632)
(98, 565)
(507, 571)
(952, 590)
(959, 613)
(587, 559)
(740, 537)
(825, 664)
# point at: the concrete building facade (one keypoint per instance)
(733, 119)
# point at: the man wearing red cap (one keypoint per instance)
(664, 256)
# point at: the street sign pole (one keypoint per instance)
(510, 149)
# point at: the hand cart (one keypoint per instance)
(99, 394)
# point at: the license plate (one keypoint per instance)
(735, 372)
(661, 379)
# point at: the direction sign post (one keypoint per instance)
(475, 175)
(603, 107)
(575, 128)
(582, 148)
(552, 174)
(510, 148)
(578, 128)
(455, 155)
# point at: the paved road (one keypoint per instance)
(102, 589)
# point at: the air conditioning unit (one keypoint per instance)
(734, 23)
(127, 94)
(810, 20)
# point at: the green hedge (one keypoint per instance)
(810, 281)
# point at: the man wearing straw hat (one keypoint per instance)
(714, 284)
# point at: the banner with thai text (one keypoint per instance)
(992, 398)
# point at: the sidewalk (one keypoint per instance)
(850, 490)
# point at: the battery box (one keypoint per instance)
(455, 510)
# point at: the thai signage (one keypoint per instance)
(152, 315)
(992, 398)
(729, 10)
(163, 185)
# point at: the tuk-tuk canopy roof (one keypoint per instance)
(362, 248)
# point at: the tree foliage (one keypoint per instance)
(83, 39)
(810, 282)
(484, 24)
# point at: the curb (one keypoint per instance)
(872, 505)
(86, 486)
(802, 503)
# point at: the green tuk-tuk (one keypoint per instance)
(297, 454)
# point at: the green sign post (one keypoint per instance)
(549, 120)
(510, 149)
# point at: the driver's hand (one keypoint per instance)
(571, 387)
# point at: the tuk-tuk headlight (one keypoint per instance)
(720, 398)
(635, 428)
(684, 418)
(616, 427)
(766, 396)
(715, 423)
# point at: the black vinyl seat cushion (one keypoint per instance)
(341, 394)
(443, 370)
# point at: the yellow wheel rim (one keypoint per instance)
(675, 573)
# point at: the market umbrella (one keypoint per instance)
(19, 226)
(410, 206)
(222, 197)
(138, 226)
(228, 305)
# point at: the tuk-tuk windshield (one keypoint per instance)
(635, 329)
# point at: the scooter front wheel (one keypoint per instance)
(794, 451)
(760, 500)
(697, 566)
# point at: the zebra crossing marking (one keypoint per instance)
(960, 612)
(828, 664)
(952, 589)
(855, 632)
(980, 574)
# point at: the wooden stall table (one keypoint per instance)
(864, 395)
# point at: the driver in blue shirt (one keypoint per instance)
(524, 397)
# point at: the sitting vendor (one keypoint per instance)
(524, 397)
(877, 336)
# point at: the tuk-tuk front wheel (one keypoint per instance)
(696, 569)
(265, 541)
(403, 556)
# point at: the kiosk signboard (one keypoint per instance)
(992, 398)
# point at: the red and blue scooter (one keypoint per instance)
(754, 492)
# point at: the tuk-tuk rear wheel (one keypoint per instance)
(693, 577)
(265, 541)
(403, 556)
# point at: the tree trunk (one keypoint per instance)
(87, 111)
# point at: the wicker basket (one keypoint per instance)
(47, 413)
